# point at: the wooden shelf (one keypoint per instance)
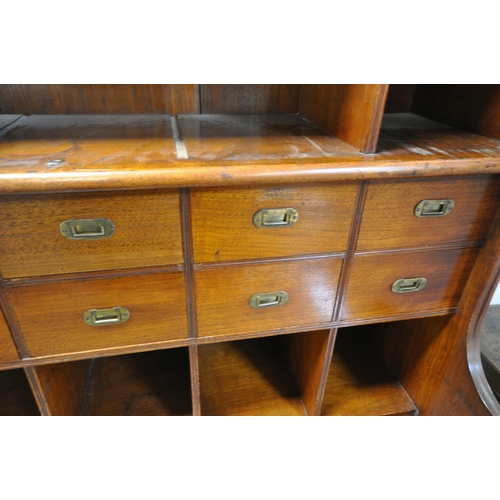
(248, 377)
(152, 383)
(359, 383)
(16, 398)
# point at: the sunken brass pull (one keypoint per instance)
(112, 316)
(87, 229)
(268, 299)
(275, 217)
(434, 208)
(405, 285)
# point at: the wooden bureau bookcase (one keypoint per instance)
(247, 249)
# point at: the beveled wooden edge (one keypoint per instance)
(187, 174)
(490, 274)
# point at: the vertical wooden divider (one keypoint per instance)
(191, 299)
(309, 355)
(353, 113)
(59, 389)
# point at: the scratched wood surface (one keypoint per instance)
(139, 152)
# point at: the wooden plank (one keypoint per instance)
(353, 113)
(62, 387)
(308, 360)
(249, 99)
(248, 377)
(359, 383)
(8, 351)
(153, 383)
(99, 99)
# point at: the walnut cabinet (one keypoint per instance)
(247, 249)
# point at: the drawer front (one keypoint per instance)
(389, 220)
(8, 352)
(144, 230)
(225, 296)
(238, 224)
(372, 277)
(51, 315)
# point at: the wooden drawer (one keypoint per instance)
(389, 219)
(369, 291)
(51, 315)
(146, 233)
(8, 351)
(224, 229)
(223, 296)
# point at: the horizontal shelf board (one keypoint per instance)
(246, 378)
(16, 398)
(153, 383)
(359, 383)
(405, 150)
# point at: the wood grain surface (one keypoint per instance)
(8, 351)
(223, 294)
(359, 383)
(51, 314)
(147, 232)
(144, 384)
(369, 292)
(307, 354)
(234, 151)
(249, 99)
(223, 229)
(352, 113)
(99, 99)
(62, 387)
(389, 219)
(247, 377)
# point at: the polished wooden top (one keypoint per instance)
(139, 151)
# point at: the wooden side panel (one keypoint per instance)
(475, 108)
(223, 228)
(248, 377)
(369, 293)
(223, 294)
(307, 357)
(62, 387)
(51, 314)
(389, 220)
(99, 99)
(353, 113)
(147, 232)
(249, 99)
(8, 351)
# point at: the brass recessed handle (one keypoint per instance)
(87, 229)
(275, 217)
(406, 285)
(111, 316)
(434, 208)
(268, 299)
